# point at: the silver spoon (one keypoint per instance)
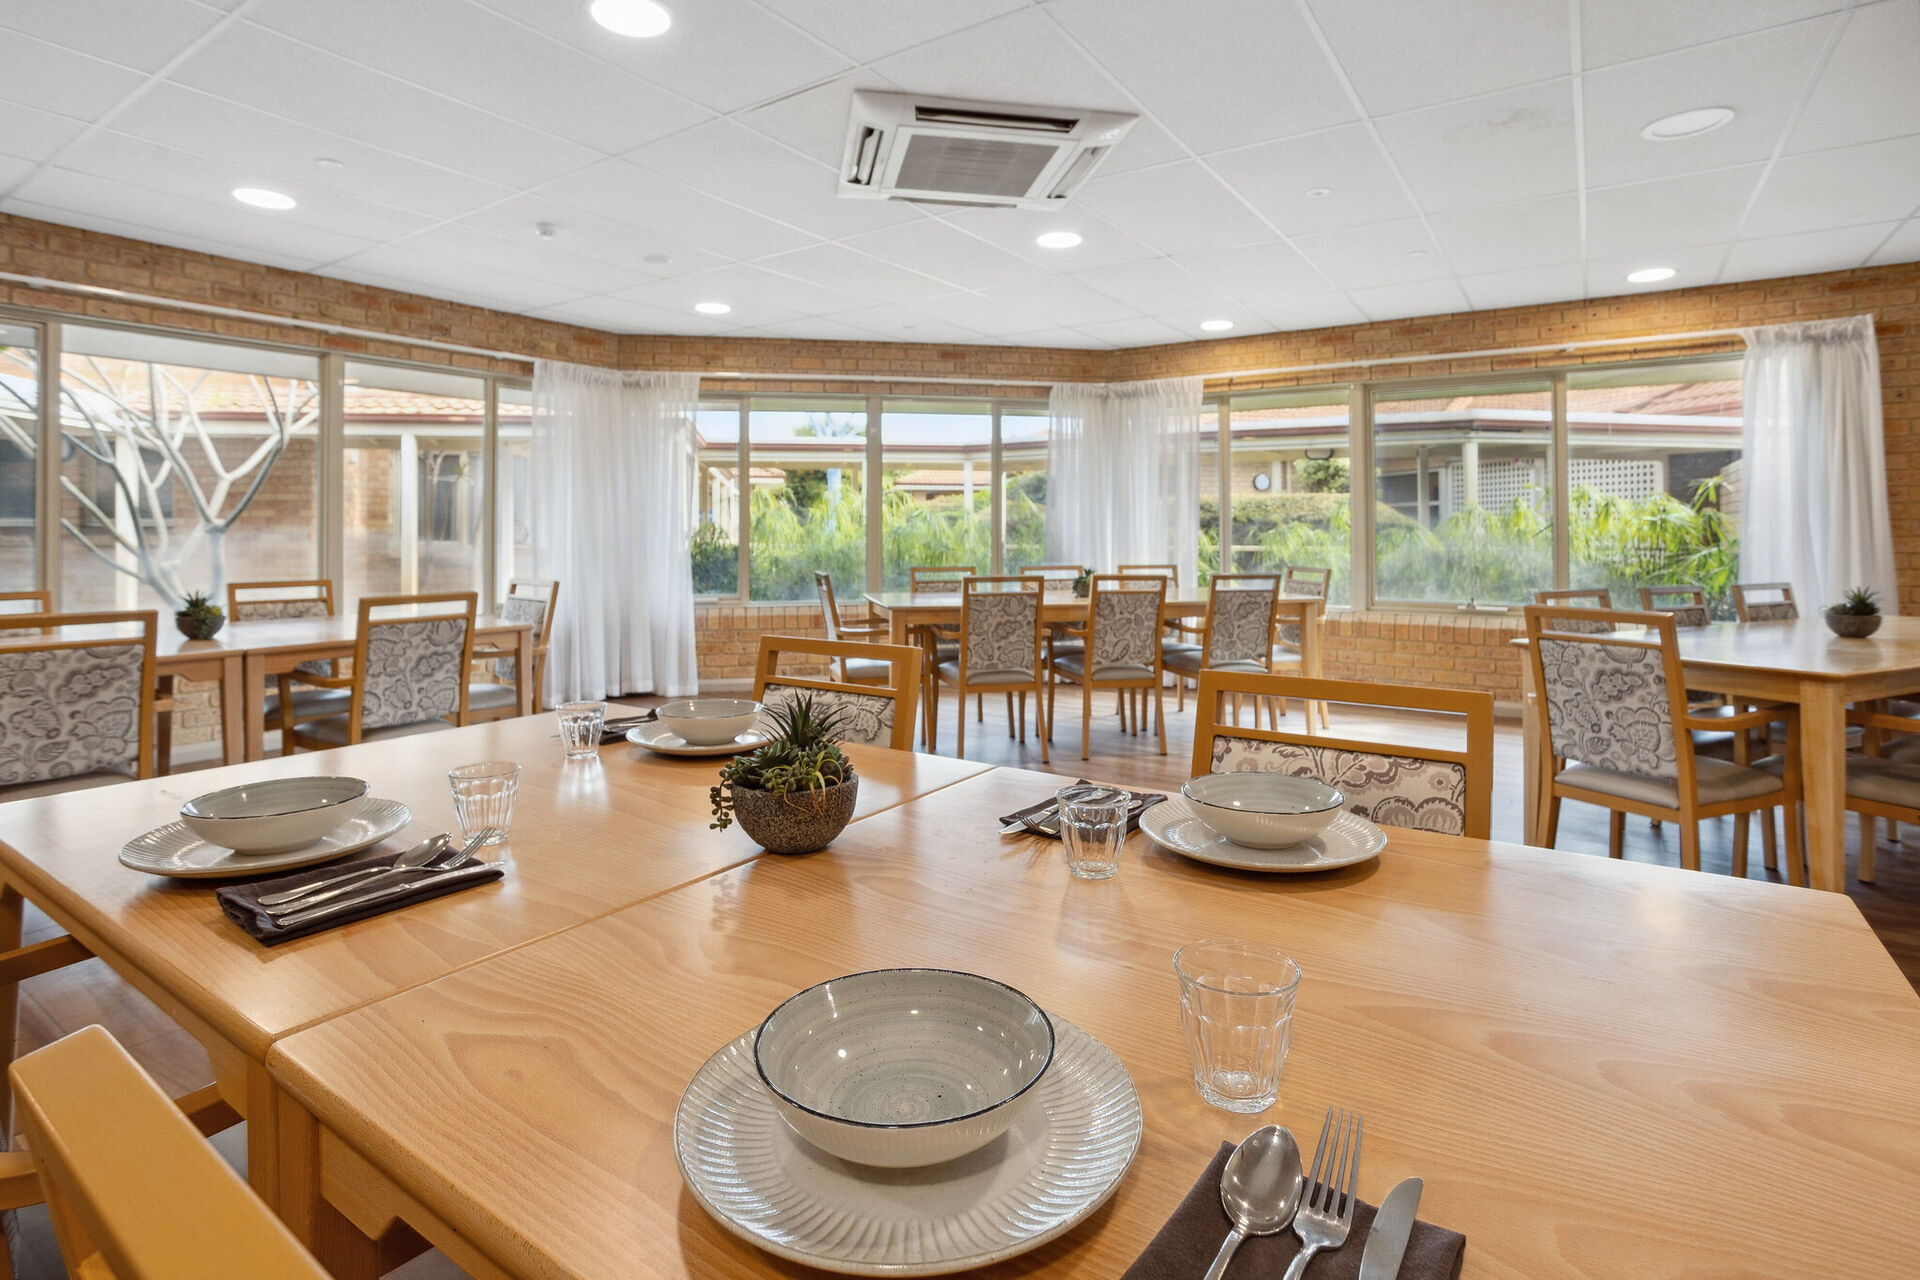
(1260, 1190)
(445, 858)
(418, 856)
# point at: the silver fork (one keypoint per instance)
(447, 861)
(1326, 1215)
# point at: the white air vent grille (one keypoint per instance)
(971, 166)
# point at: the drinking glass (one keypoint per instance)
(1236, 1005)
(1093, 826)
(483, 797)
(580, 728)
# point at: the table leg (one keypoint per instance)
(1823, 770)
(523, 669)
(896, 627)
(233, 709)
(253, 682)
(342, 1249)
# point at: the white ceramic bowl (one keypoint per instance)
(903, 1067)
(708, 722)
(274, 816)
(1263, 810)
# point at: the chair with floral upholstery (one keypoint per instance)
(1122, 639)
(288, 693)
(1297, 582)
(1417, 785)
(409, 671)
(532, 601)
(1686, 605)
(1614, 733)
(1000, 652)
(875, 712)
(1235, 636)
(1578, 598)
(940, 642)
(74, 702)
(1775, 603)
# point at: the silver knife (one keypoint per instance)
(1387, 1240)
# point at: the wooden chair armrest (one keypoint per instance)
(864, 629)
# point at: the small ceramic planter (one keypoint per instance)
(195, 627)
(1854, 626)
(799, 823)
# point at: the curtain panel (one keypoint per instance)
(614, 485)
(1123, 475)
(1813, 502)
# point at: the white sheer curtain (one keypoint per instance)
(613, 476)
(1123, 474)
(1813, 500)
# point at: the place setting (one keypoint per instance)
(1270, 822)
(701, 727)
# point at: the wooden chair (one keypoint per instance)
(1780, 608)
(1171, 572)
(409, 672)
(1884, 782)
(1055, 574)
(1122, 649)
(1297, 582)
(290, 698)
(872, 711)
(1614, 732)
(1001, 651)
(74, 706)
(1687, 606)
(12, 602)
(1236, 635)
(941, 641)
(133, 1189)
(1428, 788)
(837, 629)
(497, 697)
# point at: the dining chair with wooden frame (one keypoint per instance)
(1175, 629)
(1687, 604)
(1883, 782)
(838, 628)
(132, 1188)
(1781, 608)
(1122, 650)
(1297, 582)
(1002, 649)
(879, 712)
(1235, 635)
(497, 695)
(12, 602)
(387, 695)
(1417, 785)
(78, 705)
(939, 641)
(18, 603)
(290, 698)
(1615, 732)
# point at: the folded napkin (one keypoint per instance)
(241, 902)
(1193, 1234)
(1051, 829)
(613, 731)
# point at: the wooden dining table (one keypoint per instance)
(1800, 662)
(1600, 1068)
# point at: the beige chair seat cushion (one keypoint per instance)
(868, 671)
(1905, 750)
(1719, 781)
(484, 695)
(951, 670)
(1069, 644)
(1883, 781)
(1187, 657)
(311, 702)
(333, 730)
(1075, 664)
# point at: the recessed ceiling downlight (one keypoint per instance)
(640, 19)
(712, 308)
(1057, 239)
(261, 198)
(1216, 326)
(1650, 275)
(1686, 124)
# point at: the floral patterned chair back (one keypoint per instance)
(1686, 605)
(1420, 786)
(1780, 609)
(1000, 629)
(527, 601)
(1578, 598)
(1611, 700)
(879, 714)
(1123, 615)
(71, 707)
(1299, 582)
(1240, 620)
(939, 579)
(284, 598)
(1171, 572)
(412, 669)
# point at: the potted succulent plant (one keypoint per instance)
(200, 618)
(1083, 585)
(796, 793)
(1856, 616)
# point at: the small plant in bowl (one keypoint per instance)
(200, 618)
(1083, 585)
(795, 793)
(1856, 616)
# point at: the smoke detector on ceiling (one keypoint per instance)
(950, 151)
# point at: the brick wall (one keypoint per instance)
(1450, 651)
(729, 636)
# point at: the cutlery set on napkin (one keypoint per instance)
(1043, 819)
(306, 902)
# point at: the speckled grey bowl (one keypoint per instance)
(1852, 626)
(799, 823)
(900, 1068)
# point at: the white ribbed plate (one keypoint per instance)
(173, 850)
(657, 737)
(1057, 1164)
(1348, 839)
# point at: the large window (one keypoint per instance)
(1289, 492)
(936, 487)
(19, 446)
(722, 501)
(809, 496)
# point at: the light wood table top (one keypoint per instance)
(1056, 606)
(1599, 1068)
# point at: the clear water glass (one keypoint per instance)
(580, 728)
(483, 796)
(1236, 1006)
(1093, 826)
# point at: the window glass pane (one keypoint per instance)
(513, 522)
(1291, 485)
(716, 532)
(415, 501)
(1023, 471)
(19, 445)
(936, 494)
(1209, 558)
(1464, 482)
(1655, 481)
(809, 513)
(185, 465)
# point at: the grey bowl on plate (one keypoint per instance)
(1263, 810)
(275, 815)
(708, 722)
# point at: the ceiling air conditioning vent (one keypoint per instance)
(945, 151)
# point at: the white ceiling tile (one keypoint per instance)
(814, 122)
(1759, 76)
(899, 323)
(1241, 71)
(1176, 208)
(586, 234)
(49, 78)
(449, 278)
(868, 29)
(733, 162)
(613, 314)
(834, 266)
(1187, 323)
(1360, 185)
(1807, 253)
(972, 311)
(1014, 230)
(144, 230)
(263, 69)
(476, 56)
(819, 329)
(1496, 149)
(1142, 332)
(1058, 301)
(1868, 89)
(752, 292)
(1387, 253)
(35, 135)
(1401, 55)
(944, 252)
(1072, 338)
(13, 169)
(628, 193)
(1256, 272)
(1536, 233)
(1559, 283)
(1622, 29)
(523, 255)
(1695, 265)
(1152, 286)
(1672, 213)
(1397, 301)
(1146, 145)
(1021, 58)
(1902, 246)
(141, 34)
(1846, 187)
(1316, 311)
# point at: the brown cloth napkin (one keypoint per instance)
(1193, 1234)
(1051, 829)
(614, 731)
(241, 902)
